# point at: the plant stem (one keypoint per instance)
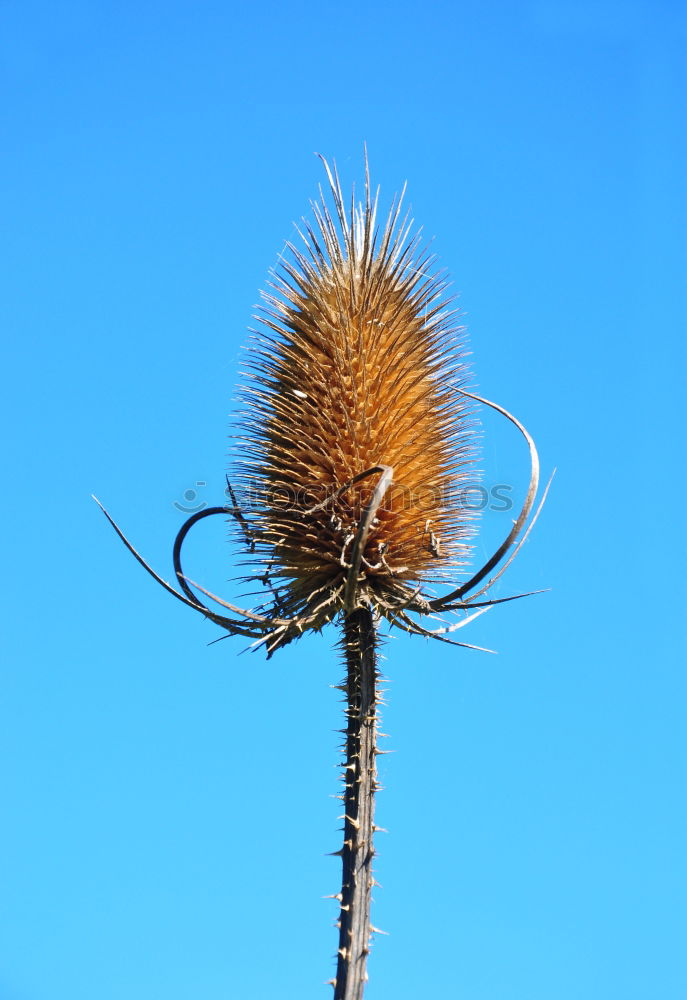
(359, 643)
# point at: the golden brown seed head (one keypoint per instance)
(359, 364)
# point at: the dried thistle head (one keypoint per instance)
(356, 440)
(357, 369)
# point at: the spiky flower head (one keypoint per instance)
(356, 442)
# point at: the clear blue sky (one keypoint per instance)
(166, 803)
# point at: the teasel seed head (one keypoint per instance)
(355, 442)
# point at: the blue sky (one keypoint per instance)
(166, 803)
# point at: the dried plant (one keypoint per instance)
(355, 445)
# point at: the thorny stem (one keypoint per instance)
(360, 777)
